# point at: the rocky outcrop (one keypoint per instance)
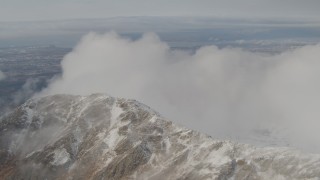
(101, 137)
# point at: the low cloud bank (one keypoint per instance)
(223, 92)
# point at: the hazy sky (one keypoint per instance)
(19, 10)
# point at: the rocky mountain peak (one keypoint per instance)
(102, 137)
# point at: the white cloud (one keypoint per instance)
(2, 76)
(26, 91)
(223, 92)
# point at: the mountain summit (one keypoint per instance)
(102, 137)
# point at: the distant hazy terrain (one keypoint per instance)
(257, 35)
(27, 70)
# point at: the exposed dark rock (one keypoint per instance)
(101, 137)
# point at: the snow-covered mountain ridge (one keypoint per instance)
(102, 137)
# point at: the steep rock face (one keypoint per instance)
(101, 137)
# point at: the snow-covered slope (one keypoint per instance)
(101, 137)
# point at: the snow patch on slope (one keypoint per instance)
(116, 111)
(108, 138)
(60, 157)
